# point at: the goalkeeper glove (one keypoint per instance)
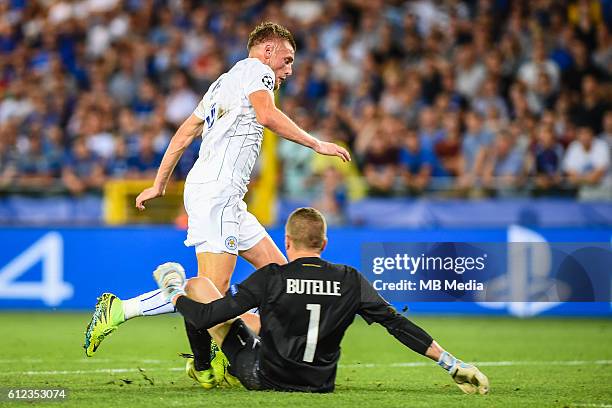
(467, 376)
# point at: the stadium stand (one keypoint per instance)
(447, 100)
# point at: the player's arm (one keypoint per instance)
(240, 299)
(373, 308)
(190, 129)
(274, 119)
(207, 315)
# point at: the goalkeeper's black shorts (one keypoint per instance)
(242, 348)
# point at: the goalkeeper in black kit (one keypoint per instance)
(305, 308)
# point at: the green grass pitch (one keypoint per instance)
(531, 363)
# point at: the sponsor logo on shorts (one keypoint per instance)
(231, 243)
(233, 290)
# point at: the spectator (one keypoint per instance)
(146, 101)
(470, 73)
(98, 139)
(416, 163)
(494, 64)
(493, 121)
(181, 101)
(606, 133)
(161, 135)
(512, 49)
(583, 15)
(349, 171)
(474, 148)
(365, 128)
(602, 57)
(519, 101)
(430, 78)
(392, 98)
(429, 134)
(504, 167)
(35, 169)
(529, 72)
(297, 171)
(123, 83)
(129, 131)
(117, 167)
(346, 70)
(490, 98)
(332, 197)
(17, 103)
(589, 111)
(296, 162)
(587, 165)
(543, 96)
(448, 149)
(144, 165)
(581, 66)
(8, 153)
(456, 101)
(83, 171)
(547, 163)
(380, 166)
(560, 52)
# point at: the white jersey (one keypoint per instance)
(231, 137)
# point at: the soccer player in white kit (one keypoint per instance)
(230, 118)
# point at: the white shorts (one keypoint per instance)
(219, 222)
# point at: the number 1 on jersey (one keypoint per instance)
(313, 331)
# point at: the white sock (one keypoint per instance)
(148, 304)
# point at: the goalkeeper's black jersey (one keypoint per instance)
(305, 307)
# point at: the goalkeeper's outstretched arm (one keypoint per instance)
(374, 308)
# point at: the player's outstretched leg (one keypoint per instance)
(148, 304)
(110, 312)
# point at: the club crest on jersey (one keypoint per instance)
(268, 82)
(231, 243)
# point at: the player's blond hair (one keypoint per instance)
(267, 31)
(307, 229)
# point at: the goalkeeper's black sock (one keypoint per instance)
(199, 340)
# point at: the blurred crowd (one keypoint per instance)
(452, 98)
